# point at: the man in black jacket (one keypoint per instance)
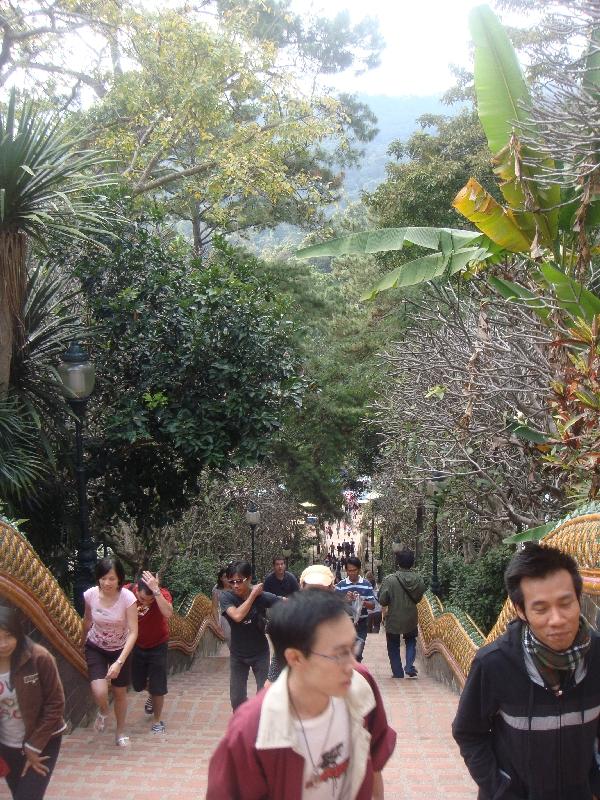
(528, 717)
(280, 581)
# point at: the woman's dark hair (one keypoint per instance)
(242, 568)
(354, 562)
(105, 565)
(405, 559)
(220, 573)
(536, 561)
(11, 621)
(294, 623)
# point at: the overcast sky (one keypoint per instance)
(422, 38)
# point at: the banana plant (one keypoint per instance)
(530, 222)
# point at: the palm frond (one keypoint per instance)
(46, 175)
(20, 464)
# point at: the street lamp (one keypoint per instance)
(435, 486)
(78, 377)
(253, 518)
(287, 552)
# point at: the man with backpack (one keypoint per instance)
(399, 594)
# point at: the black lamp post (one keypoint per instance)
(78, 376)
(253, 518)
(435, 488)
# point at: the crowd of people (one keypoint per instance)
(528, 718)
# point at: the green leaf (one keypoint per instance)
(503, 100)
(515, 293)
(570, 294)
(527, 433)
(532, 534)
(387, 239)
(502, 94)
(436, 391)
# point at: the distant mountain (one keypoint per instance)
(396, 119)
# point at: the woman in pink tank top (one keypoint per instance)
(110, 628)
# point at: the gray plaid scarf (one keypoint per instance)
(556, 668)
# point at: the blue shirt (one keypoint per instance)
(361, 587)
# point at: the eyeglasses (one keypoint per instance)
(344, 657)
(235, 581)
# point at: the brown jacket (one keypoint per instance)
(40, 696)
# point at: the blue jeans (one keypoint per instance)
(361, 631)
(393, 648)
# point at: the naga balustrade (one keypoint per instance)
(452, 634)
(448, 637)
(27, 583)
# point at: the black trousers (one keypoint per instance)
(31, 786)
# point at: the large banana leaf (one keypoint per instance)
(503, 99)
(568, 294)
(591, 82)
(498, 223)
(386, 239)
(502, 94)
(427, 268)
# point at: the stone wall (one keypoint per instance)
(437, 667)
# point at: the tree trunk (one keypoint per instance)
(6, 343)
(13, 251)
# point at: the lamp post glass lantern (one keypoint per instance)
(253, 519)
(78, 377)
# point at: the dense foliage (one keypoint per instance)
(194, 369)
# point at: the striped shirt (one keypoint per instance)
(362, 587)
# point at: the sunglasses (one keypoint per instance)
(235, 581)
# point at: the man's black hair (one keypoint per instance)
(242, 568)
(405, 559)
(277, 558)
(104, 566)
(142, 586)
(294, 623)
(354, 561)
(536, 561)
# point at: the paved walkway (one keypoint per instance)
(426, 763)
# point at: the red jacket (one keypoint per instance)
(257, 759)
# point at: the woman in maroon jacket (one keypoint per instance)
(32, 704)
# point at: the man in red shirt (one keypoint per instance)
(149, 661)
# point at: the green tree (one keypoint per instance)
(194, 369)
(429, 169)
(207, 110)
